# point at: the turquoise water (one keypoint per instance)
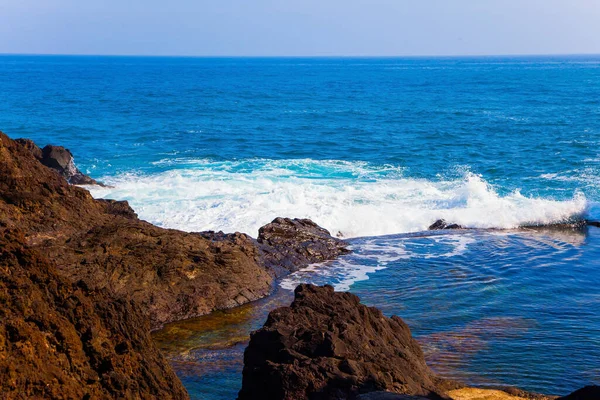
(366, 148)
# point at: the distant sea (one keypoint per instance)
(375, 150)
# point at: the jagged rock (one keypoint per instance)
(586, 393)
(388, 396)
(442, 224)
(295, 243)
(327, 345)
(59, 159)
(172, 275)
(60, 339)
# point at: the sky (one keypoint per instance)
(300, 27)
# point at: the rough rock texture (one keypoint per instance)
(294, 243)
(173, 275)
(61, 340)
(442, 224)
(586, 393)
(327, 345)
(59, 159)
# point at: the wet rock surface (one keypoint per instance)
(295, 243)
(441, 224)
(60, 339)
(327, 345)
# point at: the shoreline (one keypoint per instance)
(102, 246)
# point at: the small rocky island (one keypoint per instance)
(84, 281)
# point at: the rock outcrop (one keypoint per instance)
(327, 345)
(59, 159)
(441, 224)
(60, 339)
(294, 243)
(172, 275)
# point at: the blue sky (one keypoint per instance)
(300, 27)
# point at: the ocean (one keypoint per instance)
(375, 150)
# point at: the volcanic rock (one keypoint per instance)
(171, 275)
(586, 393)
(327, 345)
(442, 224)
(295, 243)
(62, 340)
(59, 159)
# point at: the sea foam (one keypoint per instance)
(349, 199)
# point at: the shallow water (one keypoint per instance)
(489, 308)
(364, 147)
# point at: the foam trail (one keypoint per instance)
(354, 199)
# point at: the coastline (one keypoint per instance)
(97, 244)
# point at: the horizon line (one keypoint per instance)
(305, 56)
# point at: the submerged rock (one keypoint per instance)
(60, 339)
(327, 345)
(586, 393)
(295, 243)
(442, 224)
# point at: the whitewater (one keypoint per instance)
(350, 199)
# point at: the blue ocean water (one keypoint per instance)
(366, 148)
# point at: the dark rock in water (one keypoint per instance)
(593, 223)
(295, 243)
(61, 160)
(576, 225)
(441, 224)
(63, 340)
(587, 393)
(327, 345)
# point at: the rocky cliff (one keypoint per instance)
(60, 339)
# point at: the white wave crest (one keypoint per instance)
(353, 199)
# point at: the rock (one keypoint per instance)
(61, 160)
(295, 243)
(60, 339)
(171, 275)
(29, 145)
(327, 345)
(442, 224)
(586, 393)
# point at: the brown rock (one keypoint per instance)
(294, 243)
(327, 345)
(173, 275)
(63, 340)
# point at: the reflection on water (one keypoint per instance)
(515, 308)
